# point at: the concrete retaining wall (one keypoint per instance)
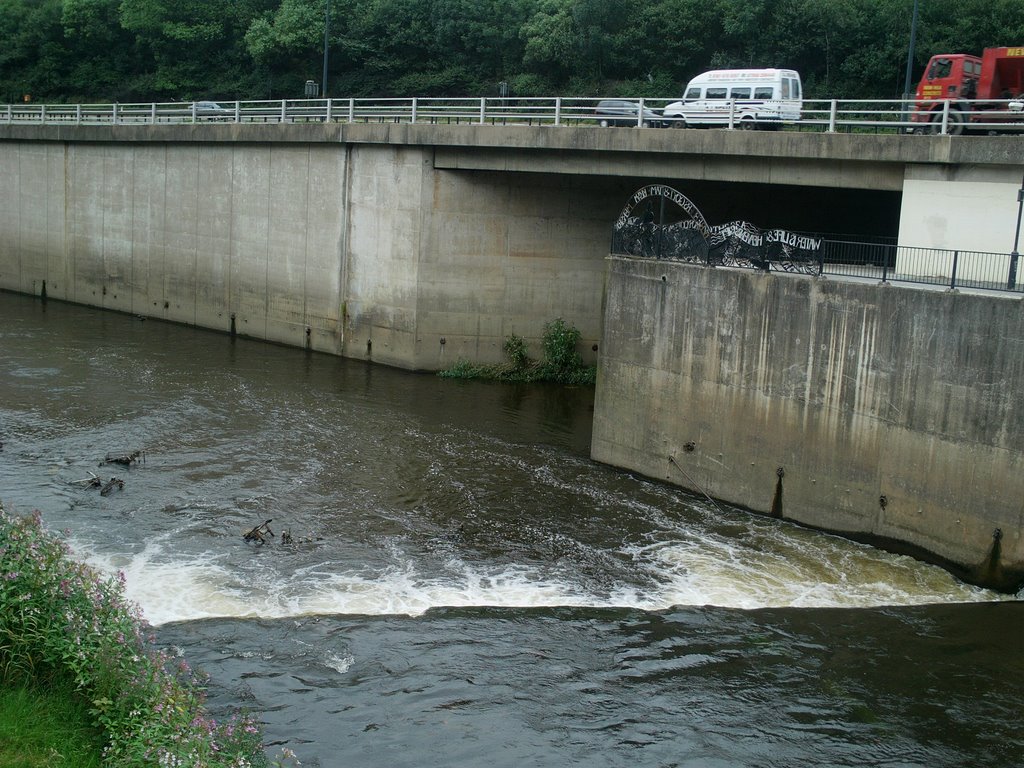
(365, 250)
(885, 413)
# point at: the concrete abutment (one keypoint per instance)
(886, 414)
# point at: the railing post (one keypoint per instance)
(885, 264)
(152, 113)
(284, 110)
(945, 117)
(558, 110)
(10, 114)
(42, 114)
(952, 279)
(483, 110)
(351, 110)
(78, 114)
(833, 111)
(732, 113)
(415, 102)
(640, 114)
(328, 117)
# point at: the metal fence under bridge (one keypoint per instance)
(876, 259)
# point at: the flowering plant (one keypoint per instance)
(61, 620)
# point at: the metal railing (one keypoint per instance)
(930, 266)
(877, 259)
(833, 116)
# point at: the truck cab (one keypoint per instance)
(978, 89)
(950, 76)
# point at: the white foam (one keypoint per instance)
(762, 568)
(181, 591)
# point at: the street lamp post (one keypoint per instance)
(1011, 281)
(327, 32)
(910, 52)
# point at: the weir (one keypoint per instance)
(417, 246)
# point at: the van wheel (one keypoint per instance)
(679, 123)
(604, 123)
(746, 124)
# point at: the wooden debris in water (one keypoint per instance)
(125, 459)
(92, 481)
(260, 532)
(287, 538)
(110, 485)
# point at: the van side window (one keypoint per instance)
(764, 92)
(739, 93)
(785, 88)
(693, 93)
(715, 93)
(795, 88)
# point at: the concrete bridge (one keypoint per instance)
(419, 245)
(379, 240)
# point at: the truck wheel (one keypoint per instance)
(604, 123)
(955, 124)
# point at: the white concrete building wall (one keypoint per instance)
(969, 209)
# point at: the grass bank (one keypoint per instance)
(65, 627)
(47, 725)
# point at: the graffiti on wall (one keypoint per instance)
(662, 223)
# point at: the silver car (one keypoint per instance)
(211, 110)
(610, 112)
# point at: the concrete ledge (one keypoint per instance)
(584, 138)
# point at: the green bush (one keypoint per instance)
(515, 351)
(60, 620)
(562, 363)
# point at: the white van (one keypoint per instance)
(738, 98)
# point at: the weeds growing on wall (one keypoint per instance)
(562, 363)
(62, 622)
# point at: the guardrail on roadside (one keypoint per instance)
(832, 116)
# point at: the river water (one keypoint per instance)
(462, 585)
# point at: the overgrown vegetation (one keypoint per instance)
(562, 363)
(65, 627)
(155, 50)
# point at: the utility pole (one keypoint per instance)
(327, 32)
(1011, 281)
(910, 52)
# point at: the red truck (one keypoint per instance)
(960, 93)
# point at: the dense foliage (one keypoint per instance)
(175, 50)
(561, 363)
(62, 623)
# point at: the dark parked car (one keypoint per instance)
(624, 112)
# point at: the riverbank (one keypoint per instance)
(65, 624)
